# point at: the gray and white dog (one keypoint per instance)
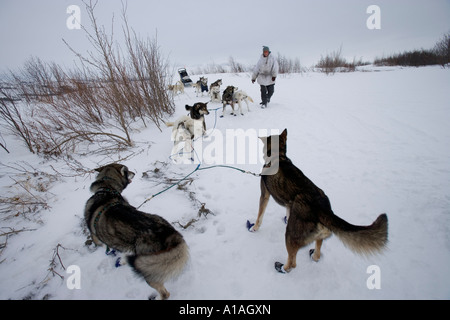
(154, 249)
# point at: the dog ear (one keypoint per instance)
(99, 169)
(124, 171)
(127, 173)
(188, 108)
(284, 134)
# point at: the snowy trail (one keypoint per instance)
(373, 141)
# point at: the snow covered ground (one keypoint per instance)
(375, 141)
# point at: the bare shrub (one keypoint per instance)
(334, 62)
(236, 67)
(13, 119)
(288, 65)
(442, 50)
(98, 101)
(3, 144)
(29, 194)
(134, 80)
(439, 55)
(60, 111)
(214, 68)
(351, 66)
(331, 62)
(415, 58)
(211, 68)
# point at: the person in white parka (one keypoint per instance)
(265, 72)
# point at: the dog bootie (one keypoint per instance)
(110, 252)
(250, 226)
(311, 253)
(279, 267)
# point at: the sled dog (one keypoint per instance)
(216, 83)
(214, 90)
(308, 211)
(227, 98)
(231, 95)
(201, 86)
(215, 94)
(187, 128)
(240, 96)
(177, 87)
(155, 250)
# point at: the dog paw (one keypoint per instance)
(110, 252)
(279, 267)
(250, 226)
(311, 255)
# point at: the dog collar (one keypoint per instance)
(108, 190)
(110, 205)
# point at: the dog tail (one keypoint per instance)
(169, 124)
(157, 268)
(250, 99)
(364, 240)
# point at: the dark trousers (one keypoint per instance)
(266, 93)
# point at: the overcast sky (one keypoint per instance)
(198, 32)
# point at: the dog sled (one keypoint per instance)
(184, 77)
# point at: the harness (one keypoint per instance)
(108, 206)
(228, 95)
(204, 87)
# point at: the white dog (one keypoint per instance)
(177, 87)
(215, 94)
(214, 90)
(240, 96)
(186, 129)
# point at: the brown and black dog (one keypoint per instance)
(309, 214)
